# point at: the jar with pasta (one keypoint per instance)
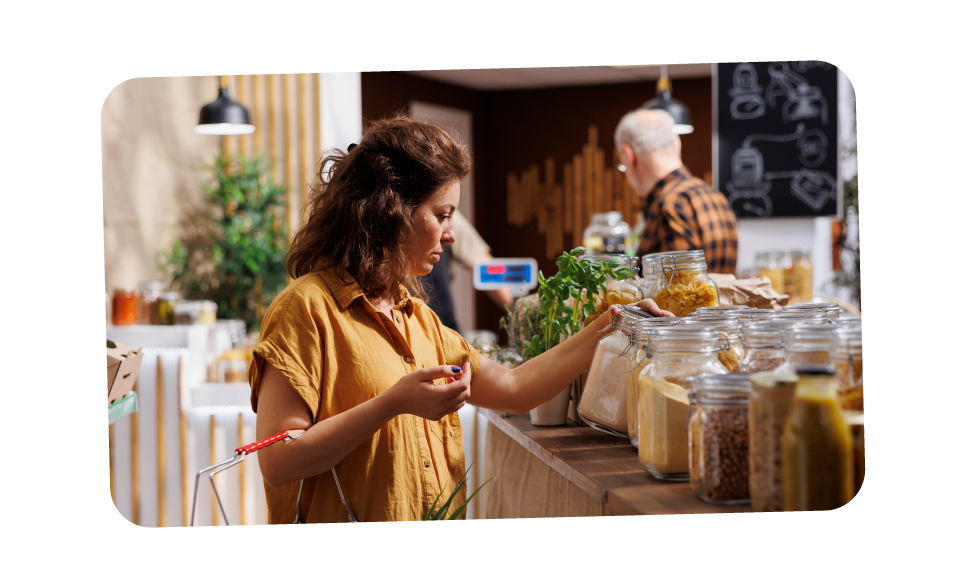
(663, 408)
(763, 348)
(772, 265)
(617, 291)
(770, 402)
(636, 361)
(799, 276)
(720, 438)
(603, 403)
(683, 285)
(729, 329)
(809, 345)
(848, 372)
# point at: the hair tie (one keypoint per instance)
(352, 146)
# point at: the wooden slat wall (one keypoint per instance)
(587, 187)
(286, 112)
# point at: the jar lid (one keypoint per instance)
(719, 309)
(810, 337)
(187, 307)
(724, 324)
(811, 306)
(722, 388)
(606, 218)
(125, 290)
(772, 379)
(846, 342)
(647, 326)
(814, 370)
(848, 320)
(151, 285)
(685, 338)
(170, 296)
(208, 305)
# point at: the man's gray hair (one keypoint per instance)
(645, 131)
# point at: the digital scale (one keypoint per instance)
(516, 273)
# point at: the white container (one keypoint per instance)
(553, 412)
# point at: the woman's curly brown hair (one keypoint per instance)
(361, 206)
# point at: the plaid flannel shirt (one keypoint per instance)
(682, 213)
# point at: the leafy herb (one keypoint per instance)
(439, 515)
(579, 280)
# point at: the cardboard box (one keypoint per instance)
(122, 365)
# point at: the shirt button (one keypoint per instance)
(426, 463)
(398, 319)
(407, 359)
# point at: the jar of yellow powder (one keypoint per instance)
(663, 408)
(636, 361)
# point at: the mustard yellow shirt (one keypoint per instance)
(337, 351)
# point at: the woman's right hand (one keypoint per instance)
(415, 393)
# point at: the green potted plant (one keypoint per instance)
(233, 250)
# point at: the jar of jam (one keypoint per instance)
(124, 307)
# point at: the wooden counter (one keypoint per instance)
(603, 466)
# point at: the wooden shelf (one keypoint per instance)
(605, 467)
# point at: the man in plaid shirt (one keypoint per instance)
(680, 211)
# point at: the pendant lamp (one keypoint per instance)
(224, 116)
(664, 101)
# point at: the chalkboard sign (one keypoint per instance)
(776, 140)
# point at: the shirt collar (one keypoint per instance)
(345, 293)
(673, 177)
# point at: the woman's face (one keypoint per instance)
(431, 229)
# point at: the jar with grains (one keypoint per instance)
(124, 307)
(147, 298)
(636, 361)
(683, 285)
(817, 453)
(676, 353)
(607, 233)
(770, 402)
(848, 372)
(763, 347)
(809, 344)
(208, 314)
(186, 313)
(617, 291)
(773, 266)
(729, 328)
(720, 438)
(799, 277)
(603, 403)
(165, 307)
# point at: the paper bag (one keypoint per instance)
(754, 292)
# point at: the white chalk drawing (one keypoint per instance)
(812, 147)
(755, 202)
(806, 66)
(812, 187)
(801, 100)
(747, 102)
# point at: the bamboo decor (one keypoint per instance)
(286, 112)
(588, 187)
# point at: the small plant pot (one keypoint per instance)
(553, 412)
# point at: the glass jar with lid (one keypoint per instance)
(755, 314)
(763, 347)
(663, 408)
(124, 307)
(683, 285)
(636, 361)
(830, 309)
(848, 372)
(720, 438)
(770, 402)
(208, 314)
(729, 328)
(772, 265)
(147, 298)
(236, 331)
(809, 345)
(816, 447)
(165, 307)
(799, 277)
(187, 312)
(603, 403)
(617, 291)
(607, 233)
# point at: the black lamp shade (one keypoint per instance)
(224, 116)
(676, 108)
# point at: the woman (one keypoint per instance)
(366, 371)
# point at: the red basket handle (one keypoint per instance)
(263, 443)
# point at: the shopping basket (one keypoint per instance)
(239, 457)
